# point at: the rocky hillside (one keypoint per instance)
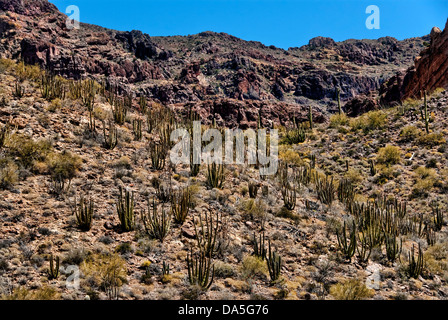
(217, 68)
(429, 72)
(356, 210)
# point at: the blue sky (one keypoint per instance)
(283, 23)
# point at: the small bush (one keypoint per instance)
(352, 289)
(27, 150)
(338, 120)
(106, 272)
(432, 139)
(409, 133)
(63, 167)
(8, 173)
(223, 270)
(252, 267)
(389, 155)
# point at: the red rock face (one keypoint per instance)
(430, 71)
(240, 79)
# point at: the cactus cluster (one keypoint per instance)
(207, 233)
(215, 175)
(157, 223)
(200, 270)
(125, 210)
(110, 136)
(180, 205)
(274, 262)
(53, 271)
(83, 212)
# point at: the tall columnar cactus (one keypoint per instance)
(125, 210)
(119, 111)
(180, 205)
(53, 271)
(289, 195)
(372, 167)
(137, 129)
(438, 218)
(415, 267)
(393, 248)
(143, 104)
(424, 113)
(4, 131)
(312, 161)
(274, 262)
(325, 189)
(215, 175)
(364, 247)
(338, 93)
(84, 213)
(158, 152)
(253, 189)
(310, 117)
(200, 270)
(347, 248)
(346, 192)
(88, 92)
(111, 136)
(259, 246)
(19, 90)
(157, 224)
(207, 233)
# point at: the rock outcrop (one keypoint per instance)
(430, 71)
(202, 68)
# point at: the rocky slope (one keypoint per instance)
(207, 66)
(429, 72)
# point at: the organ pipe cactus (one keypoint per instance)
(125, 210)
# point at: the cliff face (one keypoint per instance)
(430, 71)
(181, 70)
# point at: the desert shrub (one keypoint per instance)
(43, 293)
(106, 272)
(27, 150)
(409, 133)
(252, 267)
(290, 156)
(431, 139)
(255, 209)
(55, 105)
(375, 120)
(352, 289)
(389, 155)
(63, 167)
(425, 173)
(223, 270)
(288, 214)
(6, 65)
(425, 180)
(353, 175)
(436, 258)
(338, 120)
(8, 173)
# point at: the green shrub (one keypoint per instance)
(27, 150)
(352, 289)
(8, 173)
(410, 133)
(63, 167)
(431, 139)
(389, 155)
(338, 120)
(253, 266)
